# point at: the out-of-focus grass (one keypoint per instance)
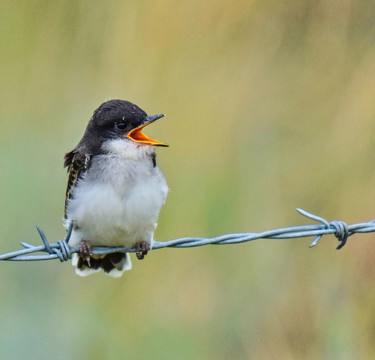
(269, 106)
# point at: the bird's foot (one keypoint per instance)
(85, 251)
(141, 249)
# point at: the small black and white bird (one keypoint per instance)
(115, 190)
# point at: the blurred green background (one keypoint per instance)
(270, 106)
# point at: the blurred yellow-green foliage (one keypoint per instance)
(270, 106)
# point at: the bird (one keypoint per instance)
(115, 189)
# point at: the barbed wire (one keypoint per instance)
(61, 250)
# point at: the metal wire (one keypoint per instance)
(61, 250)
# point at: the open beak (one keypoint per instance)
(137, 135)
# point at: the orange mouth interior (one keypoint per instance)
(137, 136)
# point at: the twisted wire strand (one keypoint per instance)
(61, 250)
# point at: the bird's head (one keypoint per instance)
(119, 119)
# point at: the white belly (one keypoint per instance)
(117, 210)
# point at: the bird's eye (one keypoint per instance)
(120, 125)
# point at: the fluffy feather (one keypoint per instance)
(116, 201)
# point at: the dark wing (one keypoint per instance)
(77, 163)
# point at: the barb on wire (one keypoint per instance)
(61, 250)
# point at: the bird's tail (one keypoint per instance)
(112, 264)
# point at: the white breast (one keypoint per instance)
(118, 201)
